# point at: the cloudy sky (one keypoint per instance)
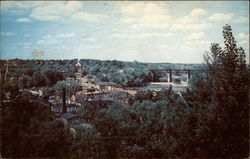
(144, 31)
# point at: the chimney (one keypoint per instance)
(64, 100)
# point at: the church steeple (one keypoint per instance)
(78, 69)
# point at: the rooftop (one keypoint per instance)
(70, 116)
(106, 84)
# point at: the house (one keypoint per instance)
(78, 80)
(106, 86)
(56, 108)
(88, 88)
(100, 103)
(72, 119)
(84, 96)
(55, 100)
(41, 102)
(30, 92)
(70, 108)
(121, 96)
(73, 108)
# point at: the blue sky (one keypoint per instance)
(177, 32)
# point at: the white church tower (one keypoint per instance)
(79, 68)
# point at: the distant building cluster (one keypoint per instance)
(67, 108)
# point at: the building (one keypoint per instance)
(56, 109)
(121, 96)
(72, 119)
(32, 93)
(55, 100)
(106, 86)
(100, 103)
(73, 107)
(41, 102)
(79, 69)
(78, 76)
(70, 108)
(85, 96)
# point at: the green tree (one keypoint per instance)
(29, 130)
(108, 125)
(39, 79)
(224, 92)
(53, 77)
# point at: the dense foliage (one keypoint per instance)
(29, 130)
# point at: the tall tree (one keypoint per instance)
(226, 131)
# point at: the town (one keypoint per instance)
(68, 104)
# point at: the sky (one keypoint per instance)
(145, 31)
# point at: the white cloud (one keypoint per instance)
(192, 21)
(88, 16)
(141, 35)
(54, 39)
(241, 19)
(40, 42)
(68, 35)
(27, 43)
(7, 33)
(23, 20)
(164, 46)
(115, 30)
(192, 17)
(53, 11)
(62, 35)
(155, 15)
(220, 17)
(142, 8)
(6, 5)
(155, 21)
(88, 39)
(117, 35)
(195, 26)
(19, 7)
(194, 44)
(243, 36)
(139, 15)
(243, 42)
(47, 36)
(198, 12)
(47, 41)
(198, 35)
(168, 34)
(127, 20)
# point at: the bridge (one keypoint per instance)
(169, 73)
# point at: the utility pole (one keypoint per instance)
(6, 72)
